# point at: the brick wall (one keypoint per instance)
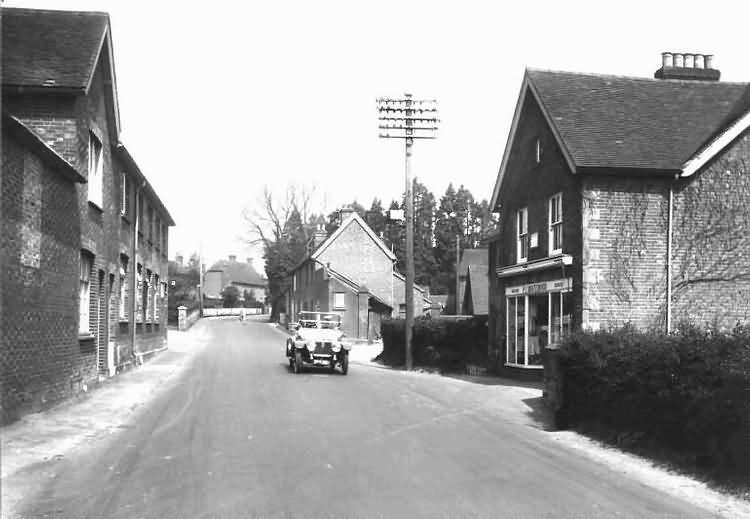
(711, 241)
(624, 251)
(358, 257)
(41, 360)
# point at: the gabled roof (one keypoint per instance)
(479, 288)
(132, 167)
(238, 272)
(473, 257)
(56, 51)
(353, 286)
(17, 129)
(420, 289)
(627, 123)
(354, 217)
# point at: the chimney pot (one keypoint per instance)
(689, 60)
(709, 61)
(699, 61)
(679, 60)
(232, 257)
(667, 60)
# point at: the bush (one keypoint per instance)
(689, 391)
(449, 344)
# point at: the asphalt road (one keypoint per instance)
(237, 435)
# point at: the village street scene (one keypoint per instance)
(394, 260)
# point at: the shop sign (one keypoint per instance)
(557, 285)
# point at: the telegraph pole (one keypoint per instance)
(458, 273)
(408, 119)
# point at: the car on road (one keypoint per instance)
(318, 341)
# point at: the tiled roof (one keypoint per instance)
(42, 48)
(626, 122)
(480, 289)
(238, 272)
(473, 257)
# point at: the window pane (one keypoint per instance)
(556, 316)
(538, 327)
(520, 330)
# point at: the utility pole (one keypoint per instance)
(408, 119)
(458, 273)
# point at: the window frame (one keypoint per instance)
(342, 306)
(84, 294)
(95, 181)
(553, 224)
(538, 150)
(522, 238)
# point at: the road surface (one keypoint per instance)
(237, 435)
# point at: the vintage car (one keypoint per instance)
(318, 341)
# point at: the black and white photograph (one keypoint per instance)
(374, 259)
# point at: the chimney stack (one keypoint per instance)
(179, 259)
(232, 258)
(687, 66)
(319, 236)
(345, 213)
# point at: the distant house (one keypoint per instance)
(242, 275)
(473, 282)
(351, 272)
(84, 235)
(622, 200)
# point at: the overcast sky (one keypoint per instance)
(218, 99)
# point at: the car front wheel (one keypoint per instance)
(298, 362)
(345, 363)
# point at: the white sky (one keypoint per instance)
(218, 99)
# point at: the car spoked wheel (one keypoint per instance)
(345, 363)
(298, 362)
(332, 367)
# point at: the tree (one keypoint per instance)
(425, 265)
(230, 295)
(447, 226)
(282, 228)
(376, 217)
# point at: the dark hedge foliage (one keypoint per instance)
(446, 343)
(689, 391)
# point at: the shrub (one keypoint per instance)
(449, 344)
(688, 391)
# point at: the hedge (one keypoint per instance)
(688, 392)
(447, 343)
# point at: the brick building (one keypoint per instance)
(351, 272)
(622, 200)
(231, 272)
(82, 227)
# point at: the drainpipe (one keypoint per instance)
(669, 258)
(134, 267)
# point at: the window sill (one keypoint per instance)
(523, 366)
(95, 206)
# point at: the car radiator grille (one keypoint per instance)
(323, 348)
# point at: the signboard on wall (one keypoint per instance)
(557, 285)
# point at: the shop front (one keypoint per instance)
(536, 315)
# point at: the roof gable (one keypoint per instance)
(57, 51)
(604, 122)
(353, 219)
(478, 287)
(237, 272)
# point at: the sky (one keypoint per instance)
(219, 100)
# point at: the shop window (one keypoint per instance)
(555, 219)
(522, 228)
(535, 321)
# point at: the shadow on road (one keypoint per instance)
(539, 412)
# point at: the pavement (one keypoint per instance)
(217, 426)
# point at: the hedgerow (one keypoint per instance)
(449, 344)
(688, 391)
